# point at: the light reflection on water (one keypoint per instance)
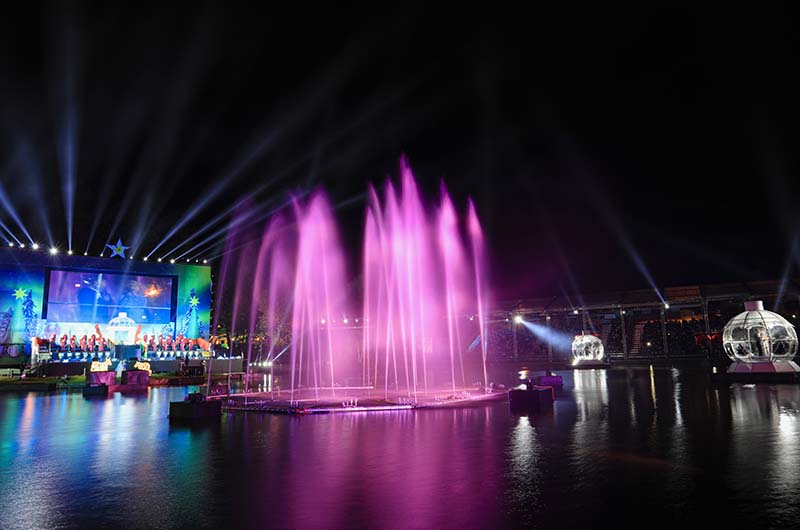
(523, 471)
(621, 448)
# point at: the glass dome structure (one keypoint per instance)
(587, 348)
(122, 329)
(758, 336)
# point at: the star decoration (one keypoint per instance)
(194, 301)
(118, 249)
(19, 294)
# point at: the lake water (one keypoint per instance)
(623, 448)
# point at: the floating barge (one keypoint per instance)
(195, 407)
(534, 398)
(779, 372)
(264, 404)
(101, 384)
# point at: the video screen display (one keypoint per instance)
(95, 297)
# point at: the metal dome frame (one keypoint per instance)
(587, 347)
(758, 335)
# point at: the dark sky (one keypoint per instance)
(674, 129)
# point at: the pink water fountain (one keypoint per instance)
(411, 321)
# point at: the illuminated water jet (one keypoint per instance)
(403, 326)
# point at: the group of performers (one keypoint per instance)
(96, 343)
(83, 349)
(84, 344)
(180, 343)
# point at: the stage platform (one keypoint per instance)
(763, 372)
(156, 366)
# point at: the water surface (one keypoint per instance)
(621, 448)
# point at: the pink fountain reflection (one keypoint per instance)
(406, 326)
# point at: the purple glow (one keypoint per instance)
(403, 325)
(320, 292)
(479, 268)
(267, 241)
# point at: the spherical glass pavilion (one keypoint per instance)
(758, 335)
(587, 348)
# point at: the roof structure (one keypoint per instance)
(675, 296)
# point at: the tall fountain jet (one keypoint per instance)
(403, 327)
(479, 269)
(320, 300)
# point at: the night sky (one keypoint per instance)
(672, 129)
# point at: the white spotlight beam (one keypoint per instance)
(244, 221)
(10, 233)
(216, 220)
(220, 184)
(264, 145)
(6, 203)
(67, 154)
(29, 163)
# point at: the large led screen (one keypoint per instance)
(97, 297)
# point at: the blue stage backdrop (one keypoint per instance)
(46, 296)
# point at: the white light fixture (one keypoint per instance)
(144, 258)
(666, 305)
(172, 261)
(205, 261)
(53, 251)
(322, 321)
(85, 253)
(518, 319)
(10, 244)
(69, 252)
(574, 311)
(22, 245)
(159, 260)
(35, 246)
